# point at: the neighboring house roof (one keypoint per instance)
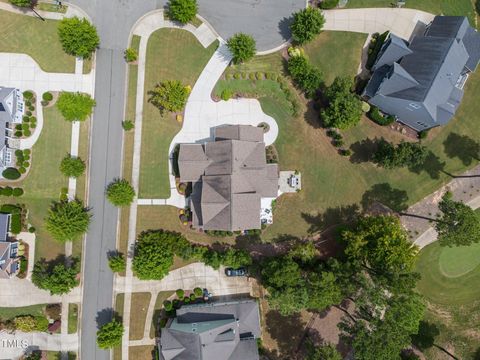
(8, 104)
(230, 176)
(427, 73)
(4, 226)
(220, 331)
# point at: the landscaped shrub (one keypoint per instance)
(47, 96)
(44, 103)
(423, 134)
(186, 300)
(16, 223)
(226, 94)
(198, 292)
(242, 47)
(329, 4)
(75, 106)
(23, 3)
(182, 10)
(22, 170)
(28, 95)
(306, 24)
(167, 304)
(17, 192)
(28, 113)
(365, 107)
(11, 173)
(31, 108)
(237, 76)
(375, 115)
(251, 76)
(259, 75)
(307, 77)
(27, 132)
(180, 293)
(18, 133)
(25, 164)
(18, 127)
(338, 143)
(28, 103)
(192, 297)
(169, 95)
(31, 229)
(131, 55)
(27, 152)
(345, 152)
(128, 125)
(7, 191)
(244, 75)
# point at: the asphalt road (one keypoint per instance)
(266, 20)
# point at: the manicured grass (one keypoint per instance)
(336, 53)
(166, 217)
(161, 297)
(119, 304)
(453, 301)
(172, 54)
(11, 312)
(72, 318)
(141, 352)
(37, 38)
(440, 7)
(138, 314)
(44, 181)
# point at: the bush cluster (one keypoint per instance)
(8, 191)
(130, 55)
(128, 125)
(46, 98)
(182, 10)
(170, 95)
(306, 24)
(375, 115)
(242, 47)
(226, 94)
(374, 48)
(11, 173)
(23, 160)
(18, 216)
(405, 154)
(306, 76)
(329, 4)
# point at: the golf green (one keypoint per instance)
(458, 261)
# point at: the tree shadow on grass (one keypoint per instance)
(427, 332)
(331, 217)
(287, 331)
(462, 147)
(432, 166)
(383, 193)
(362, 151)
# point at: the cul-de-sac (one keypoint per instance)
(240, 180)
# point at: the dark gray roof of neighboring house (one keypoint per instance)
(471, 41)
(213, 331)
(234, 176)
(4, 226)
(8, 102)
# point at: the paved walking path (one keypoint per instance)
(35, 340)
(465, 188)
(72, 11)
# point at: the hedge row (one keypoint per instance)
(375, 115)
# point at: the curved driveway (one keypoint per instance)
(114, 19)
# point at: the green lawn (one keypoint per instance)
(444, 7)
(45, 181)
(161, 297)
(37, 38)
(172, 54)
(11, 312)
(330, 46)
(453, 298)
(140, 302)
(72, 318)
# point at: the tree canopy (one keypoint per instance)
(405, 154)
(307, 77)
(75, 106)
(78, 37)
(24, 3)
(72, 166)
(56, 277)
(182, 10)
(169, 95)
(380, 243)
(110, 335)
(67, 220)
(458, 225)
(323, 352)
(117, 262)
(344, 108)
(242, 47)
(306, 24)
(120, 192)
(154, 253)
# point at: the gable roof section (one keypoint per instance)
(192, 162)
(239, 132)
(397, 80)
(393, 50)
(471, 41)
(4, 225)
(8, 103)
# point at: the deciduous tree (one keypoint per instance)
(78, 37)
(242, 47)
(72, 166)
(120, 192)
(405, 154)
(110, 335)
(169, 95)
(323, 352)
(344, 108)
(117, 262)
(458, 225)
(57, 278)
(182, 10)
(307, 23)
(75, 106)
(67, 220)
(307, 77)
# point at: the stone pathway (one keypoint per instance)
(465, 188)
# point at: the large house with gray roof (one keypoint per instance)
(9, 261)
(11, 112)
(421, 82)
(220, 331)
(229, 177)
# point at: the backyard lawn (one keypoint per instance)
(172, 54)
(444, 7)
(39, 39)
(449, 283)
(44, 181)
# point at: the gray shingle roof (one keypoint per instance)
(234, 176)
(393, 50)
(220, 331)
(4, 224)
(239, 132)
